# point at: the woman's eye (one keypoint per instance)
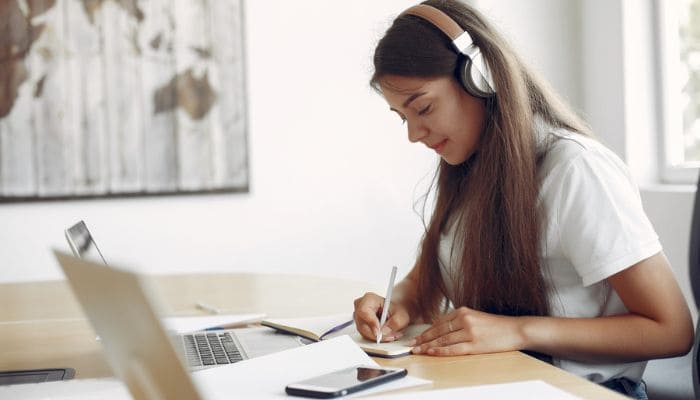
(403, 119)
(425, 110)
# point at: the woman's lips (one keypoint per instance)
(438, 147)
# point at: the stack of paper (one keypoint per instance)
(258, 378)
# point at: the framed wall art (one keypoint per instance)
(121, 97)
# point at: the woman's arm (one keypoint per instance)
(658, 325)
(402, 311)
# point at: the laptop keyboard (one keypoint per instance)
(210, 348)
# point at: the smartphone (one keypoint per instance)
(35, 375)
(344, 381)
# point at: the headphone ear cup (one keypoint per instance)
(472, 80)
(464, 75)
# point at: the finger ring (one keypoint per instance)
(449, 325)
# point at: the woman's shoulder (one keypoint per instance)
(565, 144)
(568, 151)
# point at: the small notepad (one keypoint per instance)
(329, 326)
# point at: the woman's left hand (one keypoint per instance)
(467, 331)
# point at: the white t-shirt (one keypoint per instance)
(595, 226)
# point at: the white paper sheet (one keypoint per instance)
(74, 389)
(535, 390)
(265, 377)
(201, 322)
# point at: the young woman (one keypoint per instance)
(538, 240)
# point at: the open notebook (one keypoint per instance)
(329, 326)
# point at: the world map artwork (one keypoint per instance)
(121, 97)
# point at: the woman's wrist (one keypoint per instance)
(407, 305)
(405, 296)
(527, 336)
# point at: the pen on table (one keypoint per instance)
(214, 328)
(206, 307)
(387, 302)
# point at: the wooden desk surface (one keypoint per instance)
(42, 326)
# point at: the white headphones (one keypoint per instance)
(474, 73)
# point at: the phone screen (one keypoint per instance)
(347, 377)
(344, 381)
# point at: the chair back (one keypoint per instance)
(694, 253)
(696, 361)
(694, 269)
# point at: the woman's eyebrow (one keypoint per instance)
(411, 98)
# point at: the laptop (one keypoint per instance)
(123, 313)
(81, 242)
(203, 349)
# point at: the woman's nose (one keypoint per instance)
(416, 132)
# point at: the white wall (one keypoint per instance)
(547, 37)
(332, 174)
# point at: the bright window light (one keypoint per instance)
(689, 41)
(678, 37)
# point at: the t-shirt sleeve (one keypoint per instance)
(602, 225)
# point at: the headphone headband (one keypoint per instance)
(476, 76)
(460, 38)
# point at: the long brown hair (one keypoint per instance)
(490, 200)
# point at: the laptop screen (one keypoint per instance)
(82, 244)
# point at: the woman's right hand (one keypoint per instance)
(368, 310)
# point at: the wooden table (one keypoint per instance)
(42, 326)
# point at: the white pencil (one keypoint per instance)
(387, 301)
